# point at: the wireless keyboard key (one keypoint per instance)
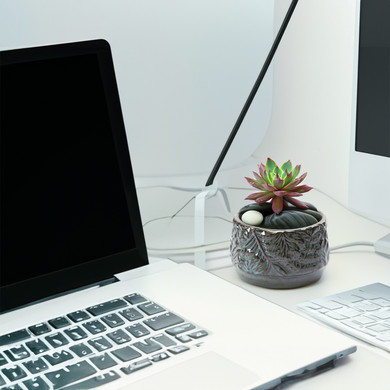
(163, 321)
(14, 337)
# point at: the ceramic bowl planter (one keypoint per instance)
(279, 258)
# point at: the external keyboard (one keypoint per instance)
(93, 346)
(363, 312)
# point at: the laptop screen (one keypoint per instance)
(69, 213)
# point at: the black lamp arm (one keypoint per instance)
(253, 92)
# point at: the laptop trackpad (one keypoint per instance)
(209, 371)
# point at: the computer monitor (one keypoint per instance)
(369, 171)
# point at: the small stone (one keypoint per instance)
(252, 217)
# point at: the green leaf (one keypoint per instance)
(270, 165)
(288, 178)
(286, 166)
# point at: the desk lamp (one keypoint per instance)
(211, 188)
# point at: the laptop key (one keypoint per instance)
(150, 308)
(36, 366)
(81, 349)
(3, 360)
(126, 353)
(36, 383)
(37, 346)
(136, 366)
(14, 337)
(164, 340)
(16, 353)
(78, 316)
(103, 361)
(147, 346)
(100, 343)
(131, 314)
(14, 373)
(106, 307)
(75, 333)
(137, 330)
(58, 357)
(163, 321)
(180, 329)
(198, 334)
(59, 322)
(135, 298)
(159, 357)
(40, 329)
(178, 349)
(119, 336)
(57, 340)
(112, 320)
(70, 374)
(95, 327)
(96, 381)
(12, 387)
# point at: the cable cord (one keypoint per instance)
(349, 244)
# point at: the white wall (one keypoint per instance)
(312, 101)
(184, 69)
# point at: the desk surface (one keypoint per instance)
(348, 268)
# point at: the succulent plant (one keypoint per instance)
(278, 186)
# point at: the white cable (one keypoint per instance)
(356, 243)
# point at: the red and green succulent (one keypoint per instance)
(279, 186)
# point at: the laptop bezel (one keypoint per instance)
(99, 270)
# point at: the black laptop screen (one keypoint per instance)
(68, 205)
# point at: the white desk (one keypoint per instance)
(369, 367)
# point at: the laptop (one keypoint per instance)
(81, 305)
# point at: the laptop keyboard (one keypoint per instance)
(91, 347)
(362, 312)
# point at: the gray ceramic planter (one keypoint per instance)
(279, 258)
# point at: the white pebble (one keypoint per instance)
(252, 217)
